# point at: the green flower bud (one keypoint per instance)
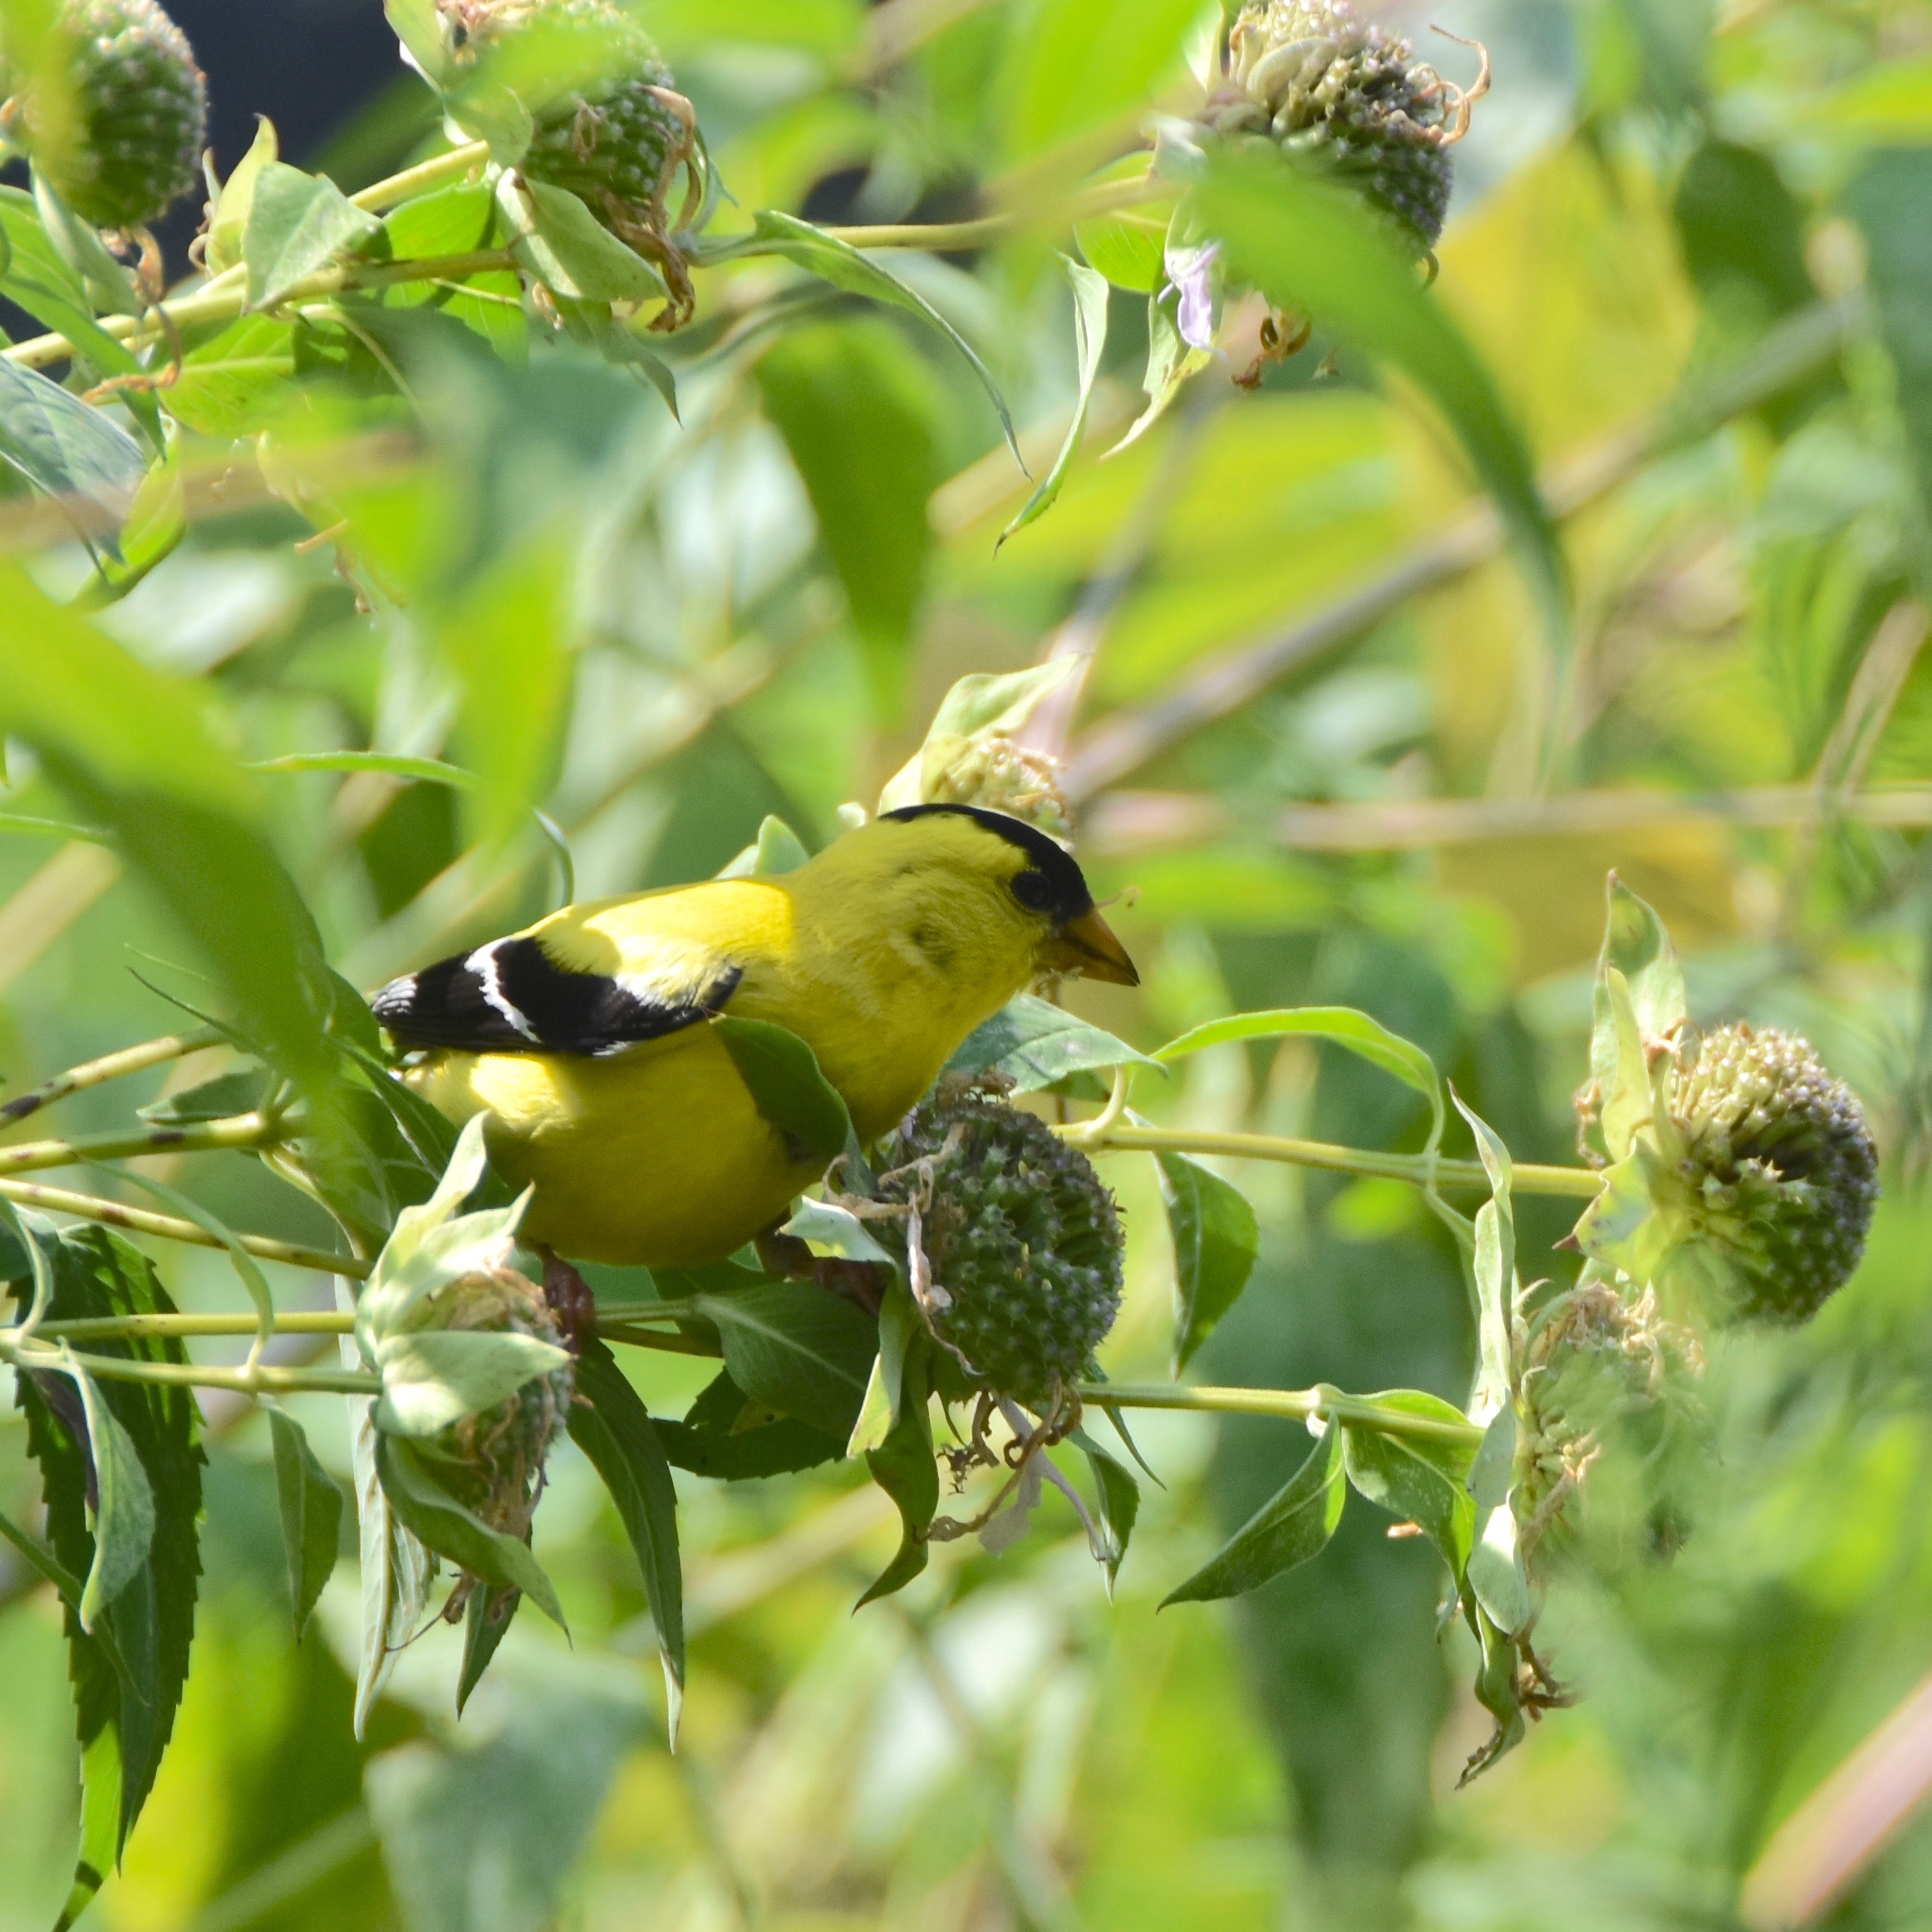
(1773, 1191)
(1615, 1421)
(1022, 1243)
(1315, 79)
(131, 145)
(492, 1461)
(610, 125)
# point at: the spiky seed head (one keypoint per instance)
(1317, 81)
(1023, 1242)
(1615, 1417)
(1005, 777)
(1774, 1193)
(611, 125)
(492, 1461)
(128, 145)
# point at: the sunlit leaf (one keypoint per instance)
(797, 1350)
(564, 245)
(1292, 1526)
(1090, 345)
(782, 1074)
(1036, 1043)
(1217, 1242)
(297, 225)
(64, 447)
(1421, 1479)
(232, 206)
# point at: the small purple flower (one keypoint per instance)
(1191, 270)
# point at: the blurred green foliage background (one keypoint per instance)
(1693, 245)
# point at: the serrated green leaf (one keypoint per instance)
(1217, 1242)
(797, 1350)
(128, 1675)
(311, 1507)
(1292, 1526)
(445, 1526)
(1036, 1043)
(782, 1074)
(1090, 345)
(615, 1431)
(297, 225)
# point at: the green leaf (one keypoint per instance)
(776, 849)
(1129, 246)
(240, 1092)
(1494, 1264)
(396, 1567)
(856, 407)
(782, 1074)
(1423, 1480)
(1090, 345)
(312, 1516)
(1119, 1501)
(108, 284)
(1367, 1038)
(981, 705)
(156, 522)
(776, 1449)
(904, 1467)
(236, 201)
(297, 225)
(124, 1512)
(900, 1328)
(33, 259)
(445, 1526)
(1170, 361)
(844, 265)
(433, 1377)
(1036, 1043)
(1309, 244)
(1073, 67)
(559, 242)
(128, 1675)
(804, 1352)
(835, 1231)
(1496, 1571)
(487, 1618)
(1635, 945)
(1216, 1241)
(65, 448)
(612, 1427)
(1292, 1526)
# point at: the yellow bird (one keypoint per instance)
(585, 1038)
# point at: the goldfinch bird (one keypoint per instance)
(585, 1037)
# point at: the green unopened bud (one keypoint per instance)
(492, 1461)
(1773, 1193)
(125, 143)
(1021, 1243)
(1317, 81)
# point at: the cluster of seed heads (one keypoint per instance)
(1021, 1243)
(492, 1461)
(617, 135)
(1006, 777)
(128, 145)
(1779, 1175)
(1315, 80)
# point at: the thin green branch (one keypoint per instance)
(433, 173)
(174, 1326)
(950, 236)
(1581, 1183)
(241, 1130)
(131, 1059)
(256, 1381)
(223, 300)
(1290, 1404)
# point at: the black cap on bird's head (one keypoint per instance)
(1051, 884)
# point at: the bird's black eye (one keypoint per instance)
(1032, 891)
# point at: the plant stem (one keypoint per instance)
(1583, 1183)
(1291, 1405)
(169, 1227)
(96, 1328)
(196, 1375)
(222, 300)
(430, 173)
(671, 1344)
(240, 1130)
(948, 237)
(131, 1059)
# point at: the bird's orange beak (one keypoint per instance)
(1086, 945)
